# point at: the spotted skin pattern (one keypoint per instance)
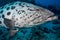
(20, 14)
(25, 14)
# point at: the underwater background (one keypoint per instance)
(47, 31)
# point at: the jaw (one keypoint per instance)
(52, 18)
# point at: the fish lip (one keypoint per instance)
(53, 17)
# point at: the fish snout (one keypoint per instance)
(52, 18)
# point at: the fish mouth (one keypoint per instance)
(53, 17)
(49, 19)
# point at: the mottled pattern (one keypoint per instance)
(25, 14)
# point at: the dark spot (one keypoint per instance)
(27, 5)
(19, 25)
(16, 10)
(38, 16)
(37, 33)
(19, 12)
(33, 19)
(22, 10)
(16, 23)
(8, 29)
(14, 29)
(19, 4)
(37, 9)
(28, 22)
(26, 14)
(30, 9)
(8, 13)
(1, 11)
(22, 5)
(3, 16)
(3, 36)
(20, 17)
(51, 16)
(0, 22)
(18, 38)
(12, 7)
(8, 8)
(30, 15)
(23, 16)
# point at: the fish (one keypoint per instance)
(23, 14)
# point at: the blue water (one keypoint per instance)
(46, 31)
(48, 2)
